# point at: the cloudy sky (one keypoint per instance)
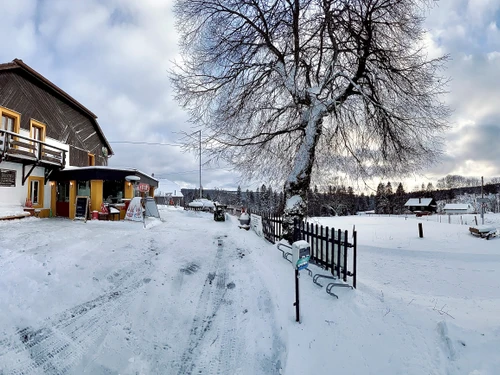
(113, 57)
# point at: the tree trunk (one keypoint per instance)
(299, 179)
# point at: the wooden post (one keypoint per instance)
(339, 234)
(354, 262)
(420, 230)
(345, 255)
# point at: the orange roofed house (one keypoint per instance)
(52, 148)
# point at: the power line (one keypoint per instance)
(147, 143)
(193, 171)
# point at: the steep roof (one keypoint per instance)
(418, 202)
(19, 64)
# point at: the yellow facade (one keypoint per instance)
(128, 191)
(72, 199)
(53, 197)
(96, 191)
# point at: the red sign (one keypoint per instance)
(143, 188)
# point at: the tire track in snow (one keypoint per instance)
(211, 330)
(62, 340)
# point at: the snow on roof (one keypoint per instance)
(202, 202)
(167, 187)
(418, 202)
(457, 206)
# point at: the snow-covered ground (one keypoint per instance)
(11, 211)
(189, 295)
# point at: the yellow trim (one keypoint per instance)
(128, 190)
(91, 159)
(39, 125)
(151, 191)
(42, 213)
(96, 191)
(40, 190)
(53, 197)
(72, 199)
(15, 115)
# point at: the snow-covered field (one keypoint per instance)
(189, 295)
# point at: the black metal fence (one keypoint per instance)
(331, 249)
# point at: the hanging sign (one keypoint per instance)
(143, 187)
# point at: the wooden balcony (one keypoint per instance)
(28, 151)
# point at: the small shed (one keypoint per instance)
(421, 204)
(459, 208)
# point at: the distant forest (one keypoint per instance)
(341, 200)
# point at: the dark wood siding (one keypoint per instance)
(64, 121)
(78, 157)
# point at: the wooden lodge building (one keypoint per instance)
(52, 149)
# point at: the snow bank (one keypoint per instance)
(7, 211)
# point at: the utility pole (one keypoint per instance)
(482, 201)
(201, 195)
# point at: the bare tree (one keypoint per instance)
(287, 89)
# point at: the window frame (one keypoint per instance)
(41, 192)
(13, 115)
(39, 125)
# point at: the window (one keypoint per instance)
(112, 191)
(63, 191)
(35, 191)
(7, 123)
(91, 159)
(10, 120)
(37, 130)
(83, 188)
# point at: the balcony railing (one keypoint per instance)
(17, 147)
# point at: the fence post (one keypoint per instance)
(322, 254)
(345, 255)
(316, 244)
(339, 233)
(354, 261)
(420, 230)
(331, 244)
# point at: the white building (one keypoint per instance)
(459, 208)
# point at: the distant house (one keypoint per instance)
(421, 204)
(459, 208)
(168, 192)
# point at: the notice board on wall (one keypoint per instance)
(82, 206)
(7, 177)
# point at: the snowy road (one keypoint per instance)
(113, 298)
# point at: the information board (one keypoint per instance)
(7, 177)
(82, 206)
